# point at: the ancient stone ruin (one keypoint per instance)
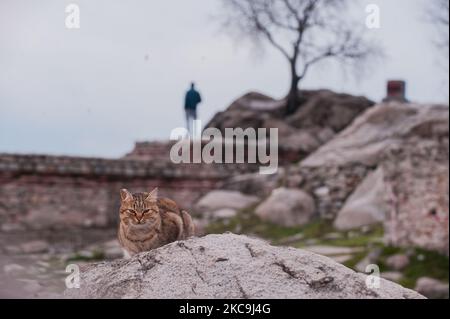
(56, 192)
(355, 179)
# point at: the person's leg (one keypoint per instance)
(189, 120)
(186, 111)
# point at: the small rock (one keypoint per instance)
(225, 213)
(311, 242)
(113, 250)
(10, 227)
(226, 199)
(366, 229)
(332, 236)
(398, 262)
(333, 250)
(421, 257)
(14, 250)
(362, 265)
(294, 181)
(254, 183)
(375, 254)
(432, 288)
(287, 207)
(370, 259)
(31, 286)
(291, 239)
(13, 269)
(353, 234)
(88, 223)
(43, 264)
(87, 254)
(35, 271)
(200, 226)
(322, 192)
(34, 247)
(392, 276)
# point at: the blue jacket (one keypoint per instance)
(193, 98)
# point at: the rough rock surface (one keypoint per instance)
(417, 176)
(366, 206)
(287, 207)
(228, 266)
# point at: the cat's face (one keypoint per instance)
(139, 209)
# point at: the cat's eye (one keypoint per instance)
(131, 211)
(147, 211)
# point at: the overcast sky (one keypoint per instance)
(122, 76)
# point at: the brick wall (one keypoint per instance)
(39, 192)
(161, 150)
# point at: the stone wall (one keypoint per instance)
(39, 192)
(332, 185)
(418, 191)
(161, 151)
(151, 150)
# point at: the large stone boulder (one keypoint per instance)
(219, 199)
(432, 288)
(386, 125)
(366, 206)
(417, 180)
(398, 262)
(342, 164)
(254, 183)
(320, 116)
(252, 110)
(327, 109)
(287, 207)
(230, 267)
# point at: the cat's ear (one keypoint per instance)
(125, 195)
(153, 195)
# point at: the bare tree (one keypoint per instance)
(439, 15)
(306, 32)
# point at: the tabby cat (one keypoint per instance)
(148, 222)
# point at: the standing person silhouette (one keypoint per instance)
(193, 98)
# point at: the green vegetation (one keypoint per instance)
(355, 259)
(248, 223)
(319, 231)
(423, 263)
(96, 255)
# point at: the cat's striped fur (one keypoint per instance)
(148, 222)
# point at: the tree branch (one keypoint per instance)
(310, 30)
(265, 31)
